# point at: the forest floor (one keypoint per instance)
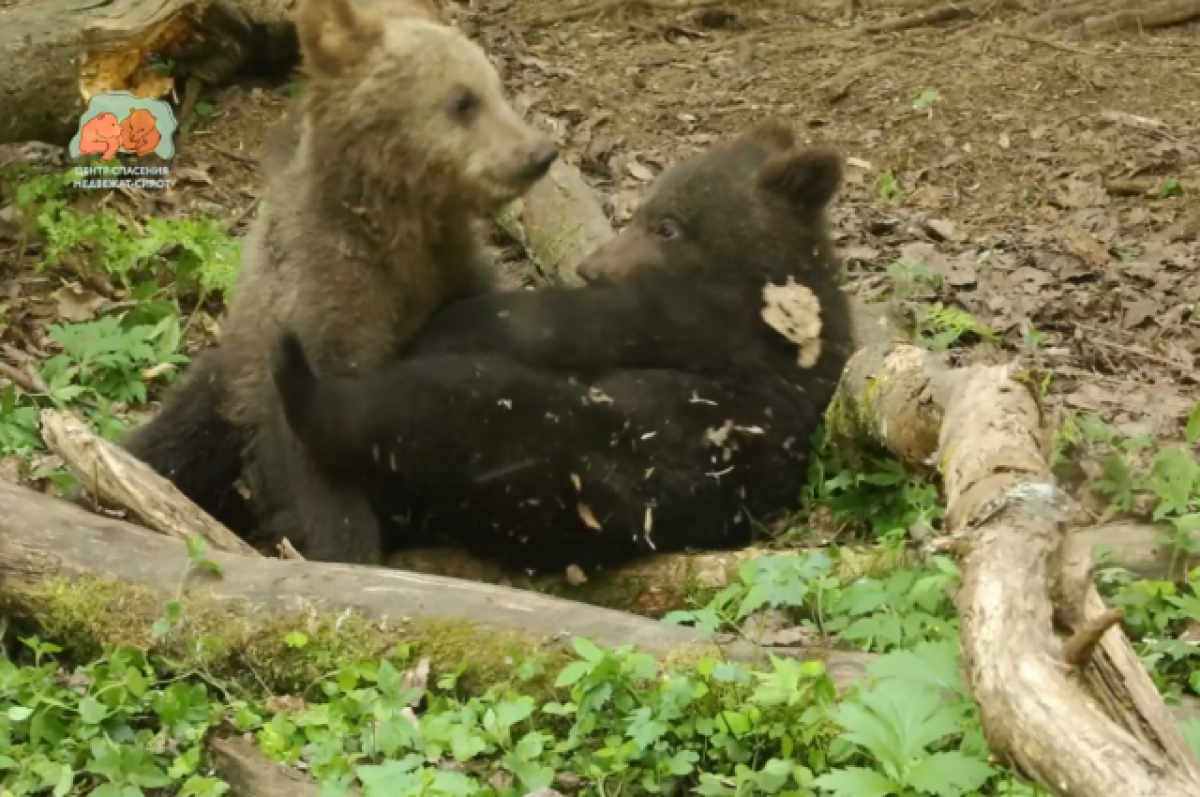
(1045, 185)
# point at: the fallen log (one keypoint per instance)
(1159, 15)
(1080, 728)
(249, 773)
(55, 54)
(91, 581)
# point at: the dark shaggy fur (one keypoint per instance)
(405, 142)
(655, 410)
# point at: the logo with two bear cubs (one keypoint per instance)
(121, 122)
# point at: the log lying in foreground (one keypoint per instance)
(249, 773)
(88, 581)
(43, 538)
(1081, 716)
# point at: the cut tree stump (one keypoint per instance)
(1084, 727)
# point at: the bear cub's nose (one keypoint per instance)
(539, 160)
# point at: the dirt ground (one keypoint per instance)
(1001, 149)
(1051, 182)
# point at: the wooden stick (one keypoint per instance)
(117, 478)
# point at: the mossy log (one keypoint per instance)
(54, 54)
(91, 581)
(1076, 712)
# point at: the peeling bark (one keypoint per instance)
(118, 479)
(982, 429)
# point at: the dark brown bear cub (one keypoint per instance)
(655, 410)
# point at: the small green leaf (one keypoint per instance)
(19, 713)
(586, 650)
(197, 786)
(296, 639)
(949, 774)
(856, 782)
(92, 711)
(388, 679)
(572, 673)
(196, 546)
(1193, 425)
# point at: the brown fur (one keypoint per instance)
(366, 231)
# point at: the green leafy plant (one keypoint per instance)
(110, 360)
(876, 495)
(939, 327)
(107, 729)
(910, 278)
(198, 251)
(907, 731)
(926, 100)
(19, 433)
(887, 188)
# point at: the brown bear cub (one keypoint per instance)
(405, 142)
(655, 410)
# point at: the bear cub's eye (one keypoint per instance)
(668, 229)
(463, 104)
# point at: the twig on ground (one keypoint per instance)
(1068, 13)
(115, 477)
(229, 153)
(1031, 39)
(838, 86)
(936, 16)
(191, 93)
(602, 6)
(1146, 186)
(26, 379)
(1158, 16)
(1096, 338)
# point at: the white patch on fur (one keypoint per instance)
(793, 311)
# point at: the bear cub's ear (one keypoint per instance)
(776, 134)
(335, 35)
(807, 178)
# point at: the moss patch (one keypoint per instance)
(224, 639)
